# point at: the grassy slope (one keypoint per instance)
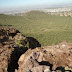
(47, 29)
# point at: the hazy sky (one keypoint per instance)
(25, 3)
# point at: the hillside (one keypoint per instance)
(47, 29)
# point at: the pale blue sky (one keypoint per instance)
(18, 3)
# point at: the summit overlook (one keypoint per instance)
(35, 35)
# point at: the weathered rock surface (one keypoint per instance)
(12, 45)
(19, 54)
(5, 49)
(5, 53)
(47, 59)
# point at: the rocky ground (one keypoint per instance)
(25, 54)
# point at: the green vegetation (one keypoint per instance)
(47, 29)
(67, 68)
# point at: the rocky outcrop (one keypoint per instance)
(56, 58)
(25, 54)
(12, 45)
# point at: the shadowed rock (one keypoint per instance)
(33, 43)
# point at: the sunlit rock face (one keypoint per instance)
(47, 59)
